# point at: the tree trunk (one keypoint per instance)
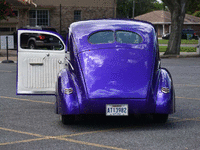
(177, 9)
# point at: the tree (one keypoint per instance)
(145, 6)
(192, 7)
(177, 9)
(5, 10)
(125, 7)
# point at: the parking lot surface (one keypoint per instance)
(29, 122)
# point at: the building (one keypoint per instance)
(58, 14)
(162, 21)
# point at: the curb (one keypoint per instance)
(180, 56)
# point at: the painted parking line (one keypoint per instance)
(188, 98)
(21, 132)
(190, 85)
(101, 131)
(23, 141)
(187, 119)
(62, 137)
(28, 100)
(91, 132)
(54, 137)
(90, 144)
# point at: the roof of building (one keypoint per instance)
(18, 3)
(164, 17)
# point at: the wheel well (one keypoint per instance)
(31, 41)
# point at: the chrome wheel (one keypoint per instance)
(32, 45)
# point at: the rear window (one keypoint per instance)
(102, 37)
(128, 37)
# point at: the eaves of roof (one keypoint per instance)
(18, 3)
(23, 4)
(170, 23)
(164, 17)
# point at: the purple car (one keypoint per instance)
(113, 69)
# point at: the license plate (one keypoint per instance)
(116, 109)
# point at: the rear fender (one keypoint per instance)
(164, 94)
(66, 95)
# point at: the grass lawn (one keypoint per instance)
(162, 41)
(183, 49)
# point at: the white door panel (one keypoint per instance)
(38, 68)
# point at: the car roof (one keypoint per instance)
(83, 29)
(89, 26)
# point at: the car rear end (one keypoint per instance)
(118, 69)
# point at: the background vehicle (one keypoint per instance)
(186, 34)
(36, 40)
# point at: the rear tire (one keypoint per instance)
(160, 118)
(32, 45)
(67, 119)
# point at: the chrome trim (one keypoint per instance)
(69, 63)
(68, 91)
(36, 92)
(165, 90)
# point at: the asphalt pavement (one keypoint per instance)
(29, 122)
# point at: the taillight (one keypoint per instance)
(41, 37)
(194, 34)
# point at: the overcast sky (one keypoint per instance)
(159, 1)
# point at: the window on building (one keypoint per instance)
(39, 17)
(7, 29)
(77, 15)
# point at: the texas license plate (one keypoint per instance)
(116, 109)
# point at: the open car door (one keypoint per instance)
(41, 56)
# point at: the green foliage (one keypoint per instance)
(192, 6)
(5, 10)
(183, 41)
(125, 7)
(159, 6)
(197, 14)
(182, 49)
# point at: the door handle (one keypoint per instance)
(36, 63)
(60, 62)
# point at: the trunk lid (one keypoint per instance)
(117, 72)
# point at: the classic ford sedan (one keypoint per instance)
(113, 69)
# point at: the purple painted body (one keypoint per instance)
(114, 73)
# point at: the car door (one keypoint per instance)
(38, 67)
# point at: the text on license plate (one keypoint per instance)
(116, 109)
